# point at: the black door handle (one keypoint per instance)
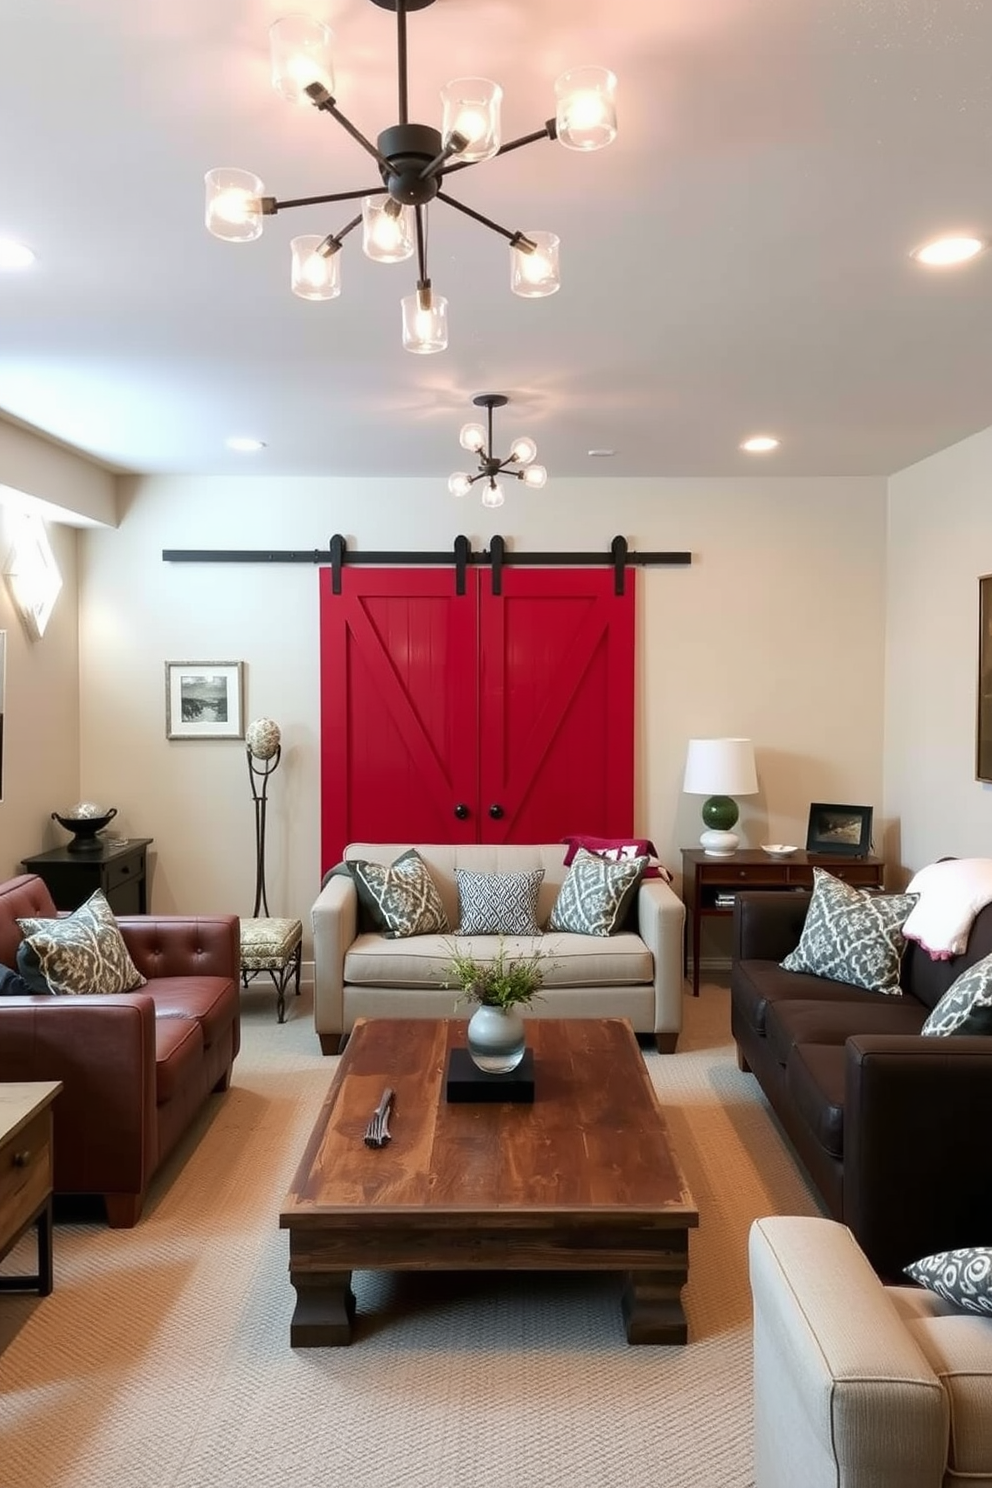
(461, 811)
(495, 811)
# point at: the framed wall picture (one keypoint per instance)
(204, 700)
(844, 830)
(983, 732)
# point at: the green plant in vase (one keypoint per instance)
(499, 985)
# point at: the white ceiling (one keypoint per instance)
(736, 262)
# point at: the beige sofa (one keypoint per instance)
(636, 974)
(856, 1384)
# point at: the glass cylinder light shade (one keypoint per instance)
(425, 322)
(471, 108)
(316, 275)
(301, 53)
(523, 450)
(534, 273)
(472, 437)
(233, 205)
(387, 229)
(459, 484)
(492, 493)
(535, 476)
(586, 112)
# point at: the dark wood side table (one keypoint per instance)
(26, 1169)
(709, 884)
(118, 868)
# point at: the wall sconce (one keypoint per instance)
(32, 574)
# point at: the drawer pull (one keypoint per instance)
(125, 869)
(22, 1159)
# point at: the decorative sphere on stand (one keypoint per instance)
(262, 738)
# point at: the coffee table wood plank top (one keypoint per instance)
(585, 1178)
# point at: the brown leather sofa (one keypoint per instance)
(135, 1067)
(893, 1128)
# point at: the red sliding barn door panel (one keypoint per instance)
(399, 710)
(475, 717)
(556, 730)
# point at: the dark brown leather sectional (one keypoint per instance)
(135, 1067)
(892, 1127)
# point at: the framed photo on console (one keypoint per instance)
(844, 830)
(204, 700)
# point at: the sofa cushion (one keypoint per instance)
(851, 935)
(211, 1001)
(178, 1055)
(963, 1277)
(815, 1079)
(569, 960)
(958, 1347)
(84, 952)
(966, 1006)
(809, 1021)
(498, 903)
(596, 894)
(401, 896)
(760, 985)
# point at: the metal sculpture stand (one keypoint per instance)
(268, 944)
(259, 771)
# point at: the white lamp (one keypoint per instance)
(720, 769)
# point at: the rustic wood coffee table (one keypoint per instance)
(585, 1179)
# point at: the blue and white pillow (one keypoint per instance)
(851, 935)
(960, 1276)
(966, 1006)
(498, 903)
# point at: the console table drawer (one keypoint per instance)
(25, 1175)
(730, 874)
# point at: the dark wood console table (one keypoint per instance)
(118, 868)
(709, 884)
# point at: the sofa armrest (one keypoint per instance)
(103, 1051)
(768, 923)
(334, 918)
(843, 1395)
(661, 925)
(184, 945)
(917, 1159)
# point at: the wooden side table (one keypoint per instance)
(26, 1176)
(118, 868)
(709, 884)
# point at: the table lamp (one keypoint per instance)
(720, 769)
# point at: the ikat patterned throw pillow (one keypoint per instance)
(84, 952)
(596, 894)
(402, 897)
(961, 1276)
(498, 903)
(852, 936)
(966, 1006)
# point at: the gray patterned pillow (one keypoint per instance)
(596, 894)
(851, 935)
(402, 897)
(962, 1276)
(966, 1006)
(84, 952)
(498, 903)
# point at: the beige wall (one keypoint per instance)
(775, 632)
(939, 543)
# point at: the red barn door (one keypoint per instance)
(475, 718)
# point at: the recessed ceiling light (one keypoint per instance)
(760, 444)
(244, 445)
(600, 454)
(14, 255)
(943, 253)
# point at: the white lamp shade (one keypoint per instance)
(720, 767)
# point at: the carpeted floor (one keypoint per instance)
(162, 1358)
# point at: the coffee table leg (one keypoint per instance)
(652, 1307)
(325, 1309)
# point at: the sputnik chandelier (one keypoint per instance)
(480, 441)
(413, 162)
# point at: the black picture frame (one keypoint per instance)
(983, 720)
(844, 831)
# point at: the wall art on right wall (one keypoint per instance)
(983, 732)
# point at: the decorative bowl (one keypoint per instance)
(778, 849)
(84, 821)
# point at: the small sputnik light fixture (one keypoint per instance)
(519, 463)
(413, 163)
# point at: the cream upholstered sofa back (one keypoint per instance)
(636, 974)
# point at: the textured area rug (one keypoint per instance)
(162, 1358)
